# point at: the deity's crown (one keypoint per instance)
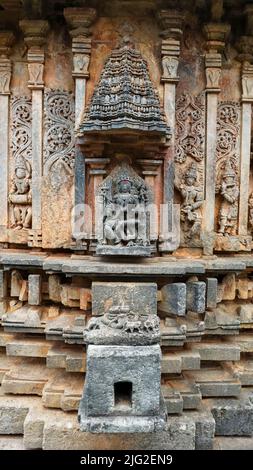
(123, 179)
(191, 171)
(23, 164)
(229, 171)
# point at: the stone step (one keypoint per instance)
(13, 411)
(26, 346)
(215, 382)
(243, 370)
(12, 443)
(233, 443)
(64, 391)
(233, 416)
(27, 377)
(6, 363)
(205, 427)
(52, 429)
(173, 362)
(5, 338)
(218, 350)
(244, 341)
(189, 391)
(71, 358)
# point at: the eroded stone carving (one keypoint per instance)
(213, 77)
(229, 206)
(59, 130)
(189, 154)
(5, 76)
(192, 196)
(170, 66)
(121, 326)
(81, 64)
(190, 128)
(124, 199)
(227, 166)
(20, 197)
(36, 71)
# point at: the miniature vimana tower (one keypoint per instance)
(126, 191)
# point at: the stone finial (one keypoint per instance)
(6, 41)
(171, 23)
(216, 35)
(80, 20)
(35, 32)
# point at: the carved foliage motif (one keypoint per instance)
(190, 128)
(20, 193)
(21, 127)
(189, 158)
(227, 165)
(59, 130)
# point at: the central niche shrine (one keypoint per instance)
(120, 138)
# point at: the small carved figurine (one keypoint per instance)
(192, 201)
(229, 206)
(20, 196)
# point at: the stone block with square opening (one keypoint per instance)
(122, 390)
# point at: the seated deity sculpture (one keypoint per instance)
(125, 199)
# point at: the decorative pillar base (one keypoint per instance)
(123, 391)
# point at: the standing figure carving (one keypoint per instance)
(229, 206)
(192, 201)
(20, 196)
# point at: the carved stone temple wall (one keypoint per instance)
(126, 224)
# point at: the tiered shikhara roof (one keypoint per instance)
(124, 98)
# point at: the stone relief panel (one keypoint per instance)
(190, 128)
(20, 197)
(189, 165)
(58, 163)
(227, 167)
(123, 206)
(59, 124)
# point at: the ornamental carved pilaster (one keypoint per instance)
(216, 35)
(171, 24)
(35, 32)
(6, 41)
(79, 21)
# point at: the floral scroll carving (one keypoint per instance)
(189, 165)
(227, 165)
(20, 197)
(190, 128)
(59, 130)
